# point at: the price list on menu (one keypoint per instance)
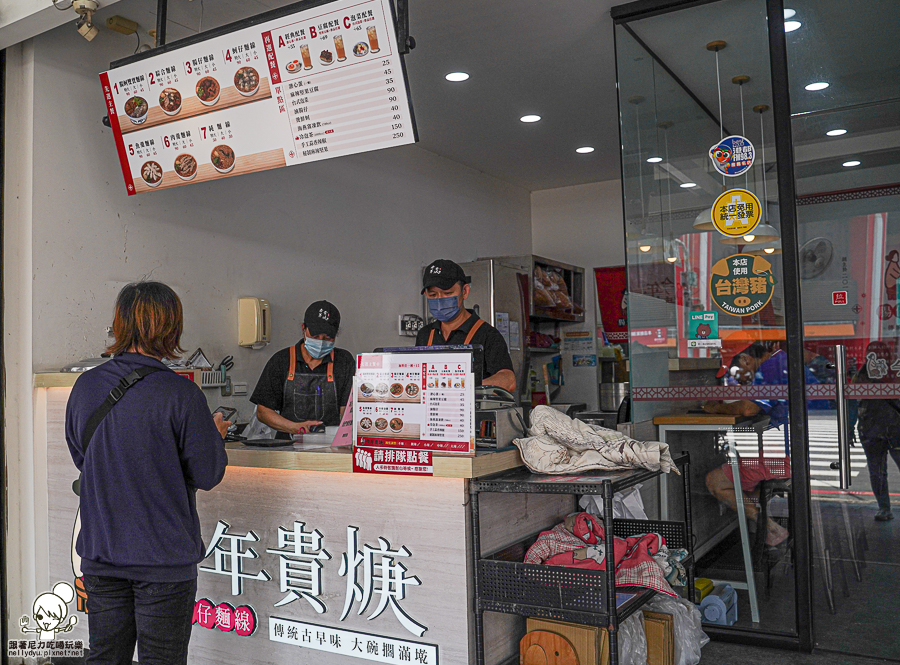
(416, 401)
(447, 407)
(315, 84)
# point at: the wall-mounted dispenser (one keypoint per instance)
(254, 322)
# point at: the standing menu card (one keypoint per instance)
(318, 83)
(415, 401)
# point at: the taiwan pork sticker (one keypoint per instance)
(741, 284)
(732, 156)
(736, 213)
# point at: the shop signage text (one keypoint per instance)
(351, 643)
(372, 572)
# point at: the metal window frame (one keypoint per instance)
(4, 523)
(804, 639)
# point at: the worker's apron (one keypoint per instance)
(311, 396)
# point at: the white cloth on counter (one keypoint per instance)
(558, 445)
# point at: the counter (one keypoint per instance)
(313, 564)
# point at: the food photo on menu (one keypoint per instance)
(384, 422)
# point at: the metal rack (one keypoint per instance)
(588, 597)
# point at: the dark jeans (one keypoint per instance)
(876, 455)
(156, 616)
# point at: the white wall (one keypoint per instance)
(355, 230)
(581, 225)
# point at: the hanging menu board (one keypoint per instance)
(315, 84)
(415, 401)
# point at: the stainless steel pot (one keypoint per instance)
(611, 395)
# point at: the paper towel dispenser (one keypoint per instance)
(254, 322)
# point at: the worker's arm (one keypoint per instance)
(505, 378)
(278, 422)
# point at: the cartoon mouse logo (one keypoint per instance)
(49, 611)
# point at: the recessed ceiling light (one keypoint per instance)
(654, 160)
(789, 13)
(644, 248)
(530, 118)
(790, 26)
(688, 185)
(749, 237)
(836, 132)
(457, 76)
(584, 150)
(769, 250)
(852, 162)
(820, 85)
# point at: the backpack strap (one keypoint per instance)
(111, 400)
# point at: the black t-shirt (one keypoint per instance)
(496, 355)
(269, 391)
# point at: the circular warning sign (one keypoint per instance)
(741, 284)
(736, 213)
(732, 156)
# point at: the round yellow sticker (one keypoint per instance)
(736, 213)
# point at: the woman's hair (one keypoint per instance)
(148, 319)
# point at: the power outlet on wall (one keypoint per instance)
(240, 388)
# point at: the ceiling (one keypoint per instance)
(556, 60)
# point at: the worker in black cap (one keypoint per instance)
(308, 384)
(446, 287)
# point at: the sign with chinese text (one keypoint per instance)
(838, 297)
(319, 83)
(350, 643)
(415, 401)
(650, 336)
(402, 461)
(732, 156)
(703, 325)
(736, 213)
(741, 284)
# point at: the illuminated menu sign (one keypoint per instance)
(416, 401)
(315, 84)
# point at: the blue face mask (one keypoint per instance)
(318, 348)
(444, 309)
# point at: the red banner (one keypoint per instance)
(400, 461)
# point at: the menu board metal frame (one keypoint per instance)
(265, 161)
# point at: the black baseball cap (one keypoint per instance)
(322, 318)
(443, 274)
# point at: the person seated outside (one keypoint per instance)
(768, 365)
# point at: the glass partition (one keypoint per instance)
(845, 99)
(705, 308)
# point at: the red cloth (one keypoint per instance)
(633, 558)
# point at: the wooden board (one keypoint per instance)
(696, 419)
(584, 639)
(660, 631)
(260, 161)
(541, 647)
(191, 106)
